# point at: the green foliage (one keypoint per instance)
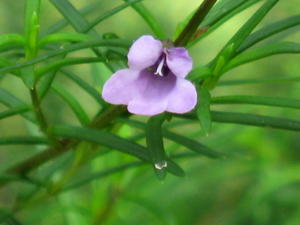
(70, 168)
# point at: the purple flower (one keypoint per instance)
(154, 81)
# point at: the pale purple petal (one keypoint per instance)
(179, 61)
(154, 98)
(144, 52)
(183, 97)
(121, 87)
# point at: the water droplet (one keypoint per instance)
(161, 165)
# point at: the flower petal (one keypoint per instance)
(179, 61)
(183, 97)
(121, 87)
(154, 98)
(144, 52)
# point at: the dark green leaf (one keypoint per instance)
(103, 138)
(192, 145)
(155, 145)
(110, 141)
(14, 111)
(184, 141)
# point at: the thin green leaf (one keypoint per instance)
(108, 172)
(256, 120)
(69, 49)
(216, 22)
(109, 14)
(32, 15)
(182, 140)
(14, 111)
(103, 138)
(229, 50)
(9, 100)
(101, 175)
(193, 145)
(84, 85)
(54, 66)
(45, 83)
(73, 103)
(70, 14)
(259, 81)
(23, 140)
(63, 22)
(249, 26)
(10, 41)
(149, 19)
(269, 31)
(235, 42)
(258, 100)
(79, 23)
(64, 37)
(203, 110)
(155, 145)
(221, 10)
(110, 141)
(263, 52)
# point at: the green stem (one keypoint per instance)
(38, 111)
(189, 31)
(101, 121)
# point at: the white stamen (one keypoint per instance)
(159, 68)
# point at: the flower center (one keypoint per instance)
(159, 70)
(161, 67)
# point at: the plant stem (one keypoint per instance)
(189, 31)
(101, 121)
(38, 111)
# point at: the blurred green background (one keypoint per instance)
(258, 185)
